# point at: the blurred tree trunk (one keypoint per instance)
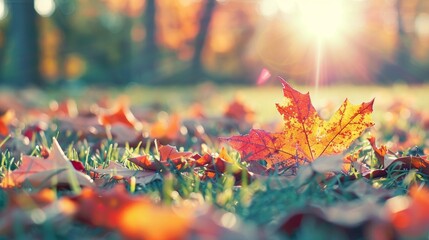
(62, 21)
(200, 40)
(195, 72)
(2, 53)
(23, 44)
(402, 44)
(124, 69)
(399, 68)
(150, 49)
(402, 54)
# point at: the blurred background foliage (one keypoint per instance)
(118, 42)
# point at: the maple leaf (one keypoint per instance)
(55, 170)
(305, 136)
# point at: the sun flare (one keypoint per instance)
(324, 19)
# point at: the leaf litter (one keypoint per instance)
(170, 177)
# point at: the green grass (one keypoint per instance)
(214, 98)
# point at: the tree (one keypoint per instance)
(23, 44)
(195, 71)
(150, 49)
(200, 40)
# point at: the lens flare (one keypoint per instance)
(3, 10)
(324, 19)
(44, 8)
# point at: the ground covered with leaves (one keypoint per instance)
(108, 169)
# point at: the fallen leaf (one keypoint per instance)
(363, 189)
(380, 152)
(410, 162)
(33, 129)
(216, 224)
(158, 223)
(215, 166)
(33, 209)
(5, 119)
(116, 169)
(166, 129)
(122, 134)
(410, 215)
(238, 111)
(119, 114)
(67, 108)
(144, 162)
(134, 216)
(349, 217)
(197, 111)
(52, 171)
(257, 145)
(305, 136)
(166, 152)
(354, 160)
(78, 165)
(403, 163)
(324, 164)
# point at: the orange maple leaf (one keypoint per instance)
(306, 136)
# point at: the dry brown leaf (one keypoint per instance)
(116, 169)
(52, 171)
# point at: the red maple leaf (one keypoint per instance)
(305, 136)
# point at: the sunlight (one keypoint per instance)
(320, 31)
(318, 18)
(3, 10)
(322, 18)
(44, 8)
(268, 7)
